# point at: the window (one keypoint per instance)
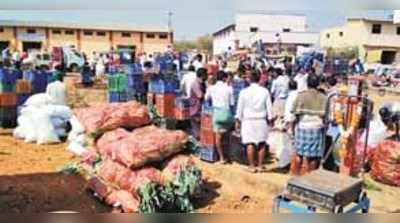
(328, 35)
(398, 30)
(150, 36)
(31, 31)
(253, 29)
(286, 30)
(69, 32)
(126, 35)
(88, 33)
(56, 32)
(1, 29)
(340, 34)
(101, 33)
(376, 28)
(163, 36)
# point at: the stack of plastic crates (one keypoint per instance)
(8, 98)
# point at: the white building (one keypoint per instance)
(396, 17)
(284, 32)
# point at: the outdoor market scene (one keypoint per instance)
(264, 114)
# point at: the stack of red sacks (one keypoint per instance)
(106, 117)
(386, 163)
(127, 163)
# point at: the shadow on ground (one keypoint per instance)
(48, 192)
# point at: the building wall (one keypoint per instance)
(223, 41)
(95, 42)
(266, 22)
(62, 39)
(89, 43)
(24, 31)
(8, 36)
(358, 33)
(156, 44)
(133, 40)
(396, 17)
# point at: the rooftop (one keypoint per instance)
(381, 20)
(92, 26)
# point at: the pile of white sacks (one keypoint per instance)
(42, 120)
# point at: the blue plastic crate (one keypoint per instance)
(22, 98)
(134, 81)
(133, 69)
(209, 154)
(159, 86)
(86, 78)
(28, 75)
(207, 108)
(123, 97)
(8, 76)
(113, 97)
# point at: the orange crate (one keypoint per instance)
(165, 105)
(8, 99)
(207, 137)
(182, 113)
(23, 87)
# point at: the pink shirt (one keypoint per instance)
(196, 95)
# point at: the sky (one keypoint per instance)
(190, 18)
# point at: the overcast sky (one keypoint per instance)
(190, 18)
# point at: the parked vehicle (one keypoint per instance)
(69, 57)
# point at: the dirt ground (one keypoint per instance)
(30, 181)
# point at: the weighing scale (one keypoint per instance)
(323, 190)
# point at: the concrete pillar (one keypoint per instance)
(78, 40)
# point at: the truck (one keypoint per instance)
(68, 57)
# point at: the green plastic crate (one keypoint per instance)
(122, 83)
(112, 83)
(8, 117)
(6, 87)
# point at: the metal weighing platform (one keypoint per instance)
(322, 190)
(326, 191)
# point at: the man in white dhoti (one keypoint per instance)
(253, 114)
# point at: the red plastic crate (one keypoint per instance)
(8, 99)
(165, 105)
(182, 113)
(207, 137)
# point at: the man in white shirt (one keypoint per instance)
(253, 112)
(221, 96)
(198, 62)
(301, 79)
(280, 90)
(187, 80)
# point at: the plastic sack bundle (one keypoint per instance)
(142, 146)
(386, 163)
(39, 100)
(175, 165)
(282, 145)
(108, 117)
(127, 179)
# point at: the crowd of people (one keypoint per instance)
(276, 97)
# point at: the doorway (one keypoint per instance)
(28, 46)
(388, 57)
(4, 45)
